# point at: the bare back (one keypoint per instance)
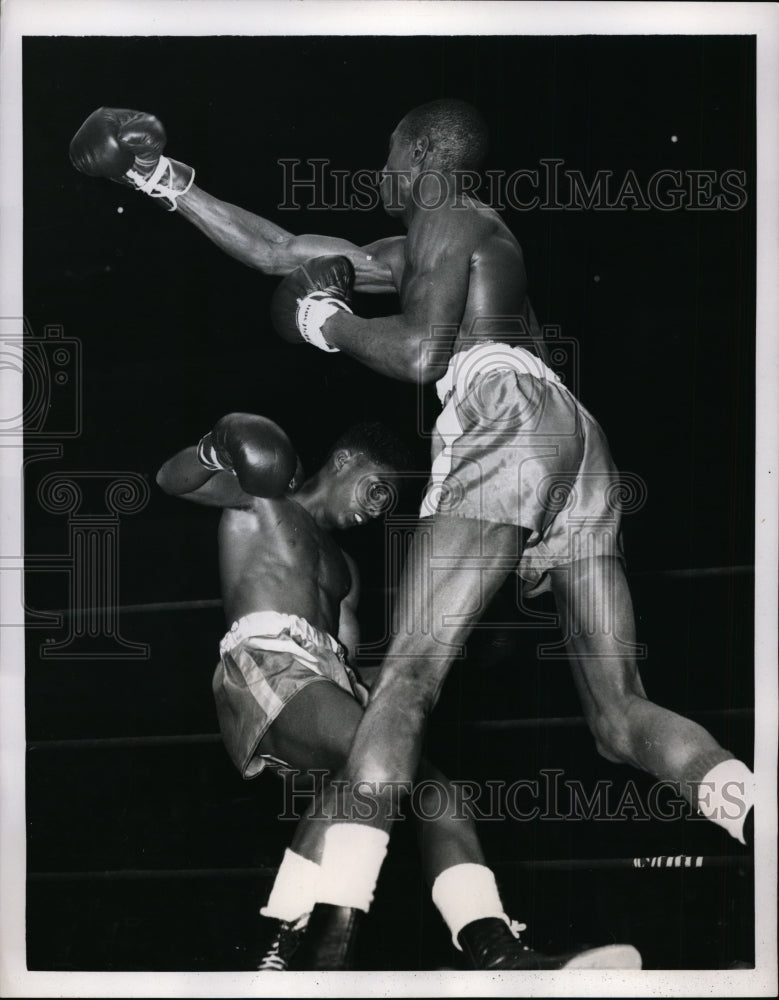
(274, 557)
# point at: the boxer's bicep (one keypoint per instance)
(185, 477)
(221, 490)
(382, 266)
(376, 267)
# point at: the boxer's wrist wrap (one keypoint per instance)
(311, 314)
(168, 181)
(206, 455)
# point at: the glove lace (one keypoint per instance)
(159, 183)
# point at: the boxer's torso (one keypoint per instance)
(274, 557)
(497, 305)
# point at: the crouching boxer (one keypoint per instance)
(286, 698)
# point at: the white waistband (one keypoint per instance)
(485, 357)
(269, 626)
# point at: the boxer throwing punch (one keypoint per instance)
(522, 479)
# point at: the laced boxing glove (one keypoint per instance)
(309, 296)
(126, 146)
(255, 450)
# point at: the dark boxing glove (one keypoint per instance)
(309, 296)
(126, 146)
(255, 450)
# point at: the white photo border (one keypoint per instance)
(351, 17)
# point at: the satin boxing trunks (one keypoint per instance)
(512, 445)
(265, 659)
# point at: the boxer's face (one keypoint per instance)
(396, 174)
(360, 492)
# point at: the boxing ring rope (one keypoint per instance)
(694, 573)
(656, 863)
(660, 862)
(216, 602)
(480, 725)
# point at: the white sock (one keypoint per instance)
(726, 794)
(295, 889)
(464, 893)
(351, 862)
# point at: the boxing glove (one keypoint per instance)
(126, 146)
(309, 296)
(255, 450)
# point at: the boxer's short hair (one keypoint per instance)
(378, 442)
(457, 132)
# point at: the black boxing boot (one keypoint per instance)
(330, 938)
(490, 944)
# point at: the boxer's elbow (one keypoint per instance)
(165, 481)
(277, 262)
(422, 370)
(410, 360)
(273, 256)
(279, 256)
(269, 258)
(171, 476)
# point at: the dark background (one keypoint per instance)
(658, 311)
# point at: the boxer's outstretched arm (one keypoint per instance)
(127, 146)
(263, 245)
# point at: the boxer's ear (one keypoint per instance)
(419, 149)
(341, 458)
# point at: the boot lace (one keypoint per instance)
(283, 945)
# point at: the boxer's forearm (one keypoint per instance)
(262, 244)
(349, 632)
(127, 145)
(415, 344)
(392, 345)
(249, 238)
(183, 473)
